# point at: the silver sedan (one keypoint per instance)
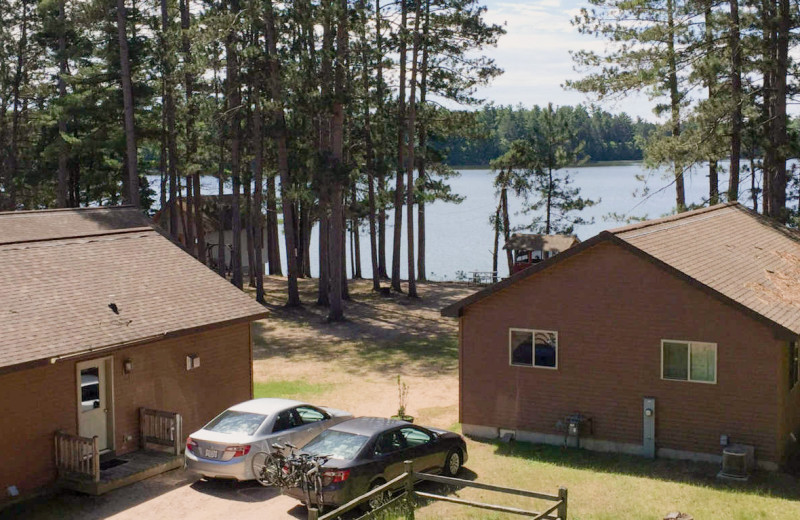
(224, 447)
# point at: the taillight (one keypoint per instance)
(239, 451)
(190, 444)
(334, 476)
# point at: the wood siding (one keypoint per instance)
(35, 403)
(611, 310)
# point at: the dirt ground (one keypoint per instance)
(353, 364)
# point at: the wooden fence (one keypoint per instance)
(77, 456)
(409, 495)
(160, 428)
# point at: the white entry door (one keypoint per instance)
(94, 402)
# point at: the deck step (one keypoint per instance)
(139, 465)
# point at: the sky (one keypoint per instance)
(535, 56)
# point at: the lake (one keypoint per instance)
(460, 237)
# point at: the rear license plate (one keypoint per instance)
(211, 454)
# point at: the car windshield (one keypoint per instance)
(339, 445)
(231, 421)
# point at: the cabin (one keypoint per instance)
(672, 337)
(529, 249)
(211, 226)
(115, 344)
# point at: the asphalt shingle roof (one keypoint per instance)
(749, 258)
(55, 292)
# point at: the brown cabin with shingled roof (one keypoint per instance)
(671, 337)
(114, 342)
(527, 249)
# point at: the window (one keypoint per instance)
(310, 415)
(231, 421)
(389, 442)
(689, 361)
(286, 420)
(415, 436)
(794, 364)
(533, 348)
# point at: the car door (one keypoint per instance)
(285, 427)
(390, 454)
(421, 447)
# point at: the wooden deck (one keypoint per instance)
(139, 465)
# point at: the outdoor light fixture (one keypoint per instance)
(127, 366)
(192, 361)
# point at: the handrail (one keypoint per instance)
(160, 428)
(410, 476)
(77, 455)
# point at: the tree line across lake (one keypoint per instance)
(602, 136)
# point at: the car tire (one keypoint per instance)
(452, 463)
(376, 502)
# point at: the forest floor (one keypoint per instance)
(354, 365)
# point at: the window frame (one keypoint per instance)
(689, 379)
(533, 332)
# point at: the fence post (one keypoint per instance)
(562, 507)
(313, 513)
(409, 484)
(142, 443)
(95, 460)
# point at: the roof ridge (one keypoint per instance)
(670, 218)
(124, 231)
(59, 210)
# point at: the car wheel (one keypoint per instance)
(378, 500)
(452, 463)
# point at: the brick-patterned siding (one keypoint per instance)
(35, 403)
(611, 309)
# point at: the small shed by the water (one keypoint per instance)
(529, 249)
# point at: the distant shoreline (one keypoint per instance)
(590, 164)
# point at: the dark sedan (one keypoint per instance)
(370, 451)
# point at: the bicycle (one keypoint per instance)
(269, 468)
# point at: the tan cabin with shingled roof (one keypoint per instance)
(114, 342)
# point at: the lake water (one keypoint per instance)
(460, 237)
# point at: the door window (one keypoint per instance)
(286, 420)
(90, 388)
(415, 437)
(389, 442)
(310, 415)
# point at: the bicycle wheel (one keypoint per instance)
(266, 469)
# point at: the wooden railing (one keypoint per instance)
(558, 511)
(77, 456)
(163, 429)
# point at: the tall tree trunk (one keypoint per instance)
(131, 154)
(711, 80)
(190, 245)
(234, 111)
(779, 134)
(63, 151)
(734, 45)
(506, 226)
(323, 295)
(273, 236)
(356, 239)
(258, 149)
(369, 152)
(276, 90)
(221, 180)
(337, 230)
(401, 144)
(410, 160)
(380, 160)
(249, 232)
(675, 103)
(769, 46)
(175, 210)
(495, 251)
(422, 154)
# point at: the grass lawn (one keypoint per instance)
(354, 365)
